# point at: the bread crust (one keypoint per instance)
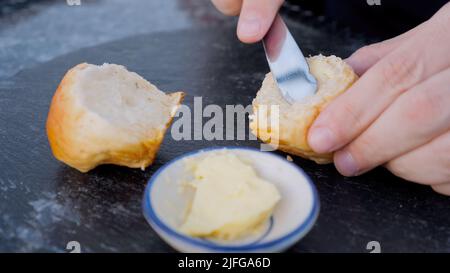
(334, 77)
(83, 140)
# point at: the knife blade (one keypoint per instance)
(287, 63)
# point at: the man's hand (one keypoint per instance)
(255, 16)
(398, 113)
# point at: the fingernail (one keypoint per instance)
(322, 140)
(249, 27)
(345, 163)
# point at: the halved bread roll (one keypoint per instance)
(333, 75)
(108, 115)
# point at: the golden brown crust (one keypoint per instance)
(83, 141)
(334, 77)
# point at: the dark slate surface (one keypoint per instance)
(45, 204)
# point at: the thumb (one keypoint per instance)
(256, 18)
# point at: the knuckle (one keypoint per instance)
(422, 107)
(400, 72)
(351, 115)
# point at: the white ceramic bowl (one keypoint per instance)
(164, 204)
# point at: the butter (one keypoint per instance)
(230, 199)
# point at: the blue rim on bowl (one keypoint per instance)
(152, 218)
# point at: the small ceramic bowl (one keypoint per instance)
(165, 204)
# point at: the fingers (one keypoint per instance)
(436, 154)
(418, 58)
(255, 19)
(228, 7)
(255, 16)
(414, 119)
(367, 56)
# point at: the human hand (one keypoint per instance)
(255, 16)
(398, 113)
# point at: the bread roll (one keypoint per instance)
(333, 76)
(108, 115)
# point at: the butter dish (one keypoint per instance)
(166, 202)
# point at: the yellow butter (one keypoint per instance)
(230, 199)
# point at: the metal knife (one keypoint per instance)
(287, 63)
